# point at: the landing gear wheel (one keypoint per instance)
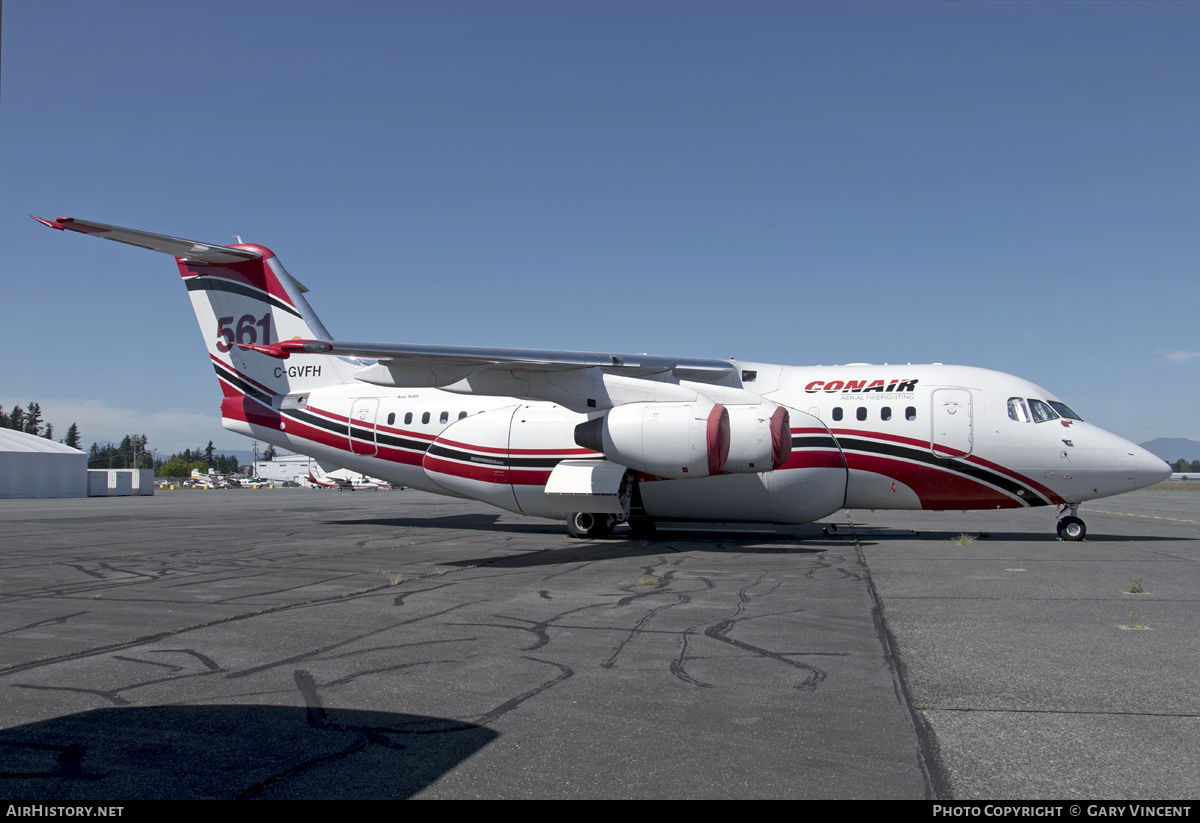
(590, 526)
(1071, 528)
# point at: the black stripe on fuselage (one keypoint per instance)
(360, 433)
(241, 385)
(918, 455)
(208, 283)
(500, 461)
(318, 422)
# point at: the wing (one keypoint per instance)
(581, 381)
(478, 358)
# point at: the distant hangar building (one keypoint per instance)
(36, 467)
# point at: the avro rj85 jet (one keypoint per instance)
(600, 439)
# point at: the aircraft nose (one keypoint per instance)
(1147, 469)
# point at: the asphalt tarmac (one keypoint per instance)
(292, 643)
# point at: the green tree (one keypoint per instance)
(176, 467)
(16, 419)
(72, 438)
(209, 456)
(33, 419)
(49, 433)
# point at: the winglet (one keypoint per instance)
(54, 224)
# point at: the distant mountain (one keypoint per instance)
(1173, 448)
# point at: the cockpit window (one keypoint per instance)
(1017, 410)
(1041, 411)
(1064, 411)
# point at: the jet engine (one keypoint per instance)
(668, 440)
(760, 438)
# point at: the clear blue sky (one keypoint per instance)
(1014, 185)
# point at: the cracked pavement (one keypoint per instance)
(295, 643)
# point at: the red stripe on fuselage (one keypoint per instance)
(445, 441)
(924, 446)
(248, 410)
(241, 376)
(935, 487)
(1044, 491)
(485, 474)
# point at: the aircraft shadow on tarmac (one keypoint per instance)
(232, 752)
(466, 522)
(589, 551)
(868, 535)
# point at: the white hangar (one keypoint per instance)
(36, 467)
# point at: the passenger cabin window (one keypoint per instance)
(425, 417)
(445, 418)
(1041, 410)
(885, 413)
(461, 415)
(837, 413)
(910, 413)
(1017, 410)
(407, 418)
(391, 418)
(861, 413)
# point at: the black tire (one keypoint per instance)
(1072, 529)
(590, 526)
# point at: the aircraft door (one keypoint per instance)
(362, 425)
(951, 435)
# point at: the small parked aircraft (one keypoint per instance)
(598, 439)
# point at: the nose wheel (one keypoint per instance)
(1071, 527)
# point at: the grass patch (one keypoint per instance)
(1133, 624)
(648, 581)
(394, 578)
(1136, 586)
(964, 540)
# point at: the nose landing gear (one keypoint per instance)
(1071, 527)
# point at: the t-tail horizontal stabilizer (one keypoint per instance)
(188, 250)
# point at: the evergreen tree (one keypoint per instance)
(16, 419)
(33, 419)
(49, 433)
(72, 438)
(3, 419)
(269, 454)
(209, 456)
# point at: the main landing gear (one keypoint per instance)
(1071, 527)
(598, 525)
(591, 525)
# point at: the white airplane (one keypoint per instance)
(598, 439)
(336, 480)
